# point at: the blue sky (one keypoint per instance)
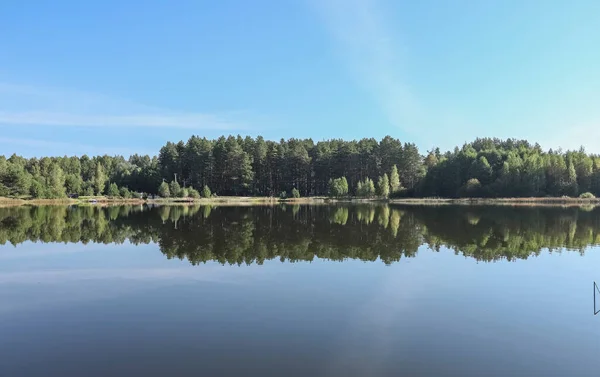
(126, 76)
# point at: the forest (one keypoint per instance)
(237, 166)
(248, 235)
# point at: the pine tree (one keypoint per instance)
(16, 180)
(571, 183)
(124, 192)
(481, 169)
(174, 189)
(344, 186)
(246, 166)
(73, 183)
(383, 186)
(88, 191)
(56, 182)
(113, 190)
(194, 194)
(37, 189)
(99, 179)
(338, 187)
(394, 180)
(163, 190)
(369, 188)
(206, 192)
(366, 188)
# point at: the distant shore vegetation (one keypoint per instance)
(294, 168)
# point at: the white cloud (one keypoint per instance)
(32, 106)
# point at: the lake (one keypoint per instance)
(323, 290)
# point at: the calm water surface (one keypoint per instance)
(299, 291)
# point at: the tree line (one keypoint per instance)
(257, 167)
(245, 235)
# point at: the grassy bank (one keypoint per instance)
(248, 200)
(543, 201)
(102, 200)
(4, 202)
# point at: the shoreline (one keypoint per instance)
(248, 200)
(514, 202)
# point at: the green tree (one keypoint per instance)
(37, 189)
(206, 192)
(175, 189)
(252, 166)
(338, 187)
(56, 182)
(431, 160)
(73, 183)
(295, 193)
(184, 193)
(472, 188)
(369, 188)
(366, 188)
(359, 188)
(16, 180)
(237, 172)
(344, 186)
(125, 193)
(88, 191)
(113, 190)
(412, 169)
(572, 188)
(163, 190)
(383, 186)
(169, 161)
(194, 194)
(534, 176)
(99, 179)
(394, 180)
(481, 169)
(584, 168)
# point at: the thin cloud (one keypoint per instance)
(371, 53)
(58, 148)
(377, 58)
(174, 120)
(22, 105)
(214, 274)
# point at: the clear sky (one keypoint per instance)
(126, 76)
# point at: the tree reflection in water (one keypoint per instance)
(246, 235)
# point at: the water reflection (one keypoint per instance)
(245, 235)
